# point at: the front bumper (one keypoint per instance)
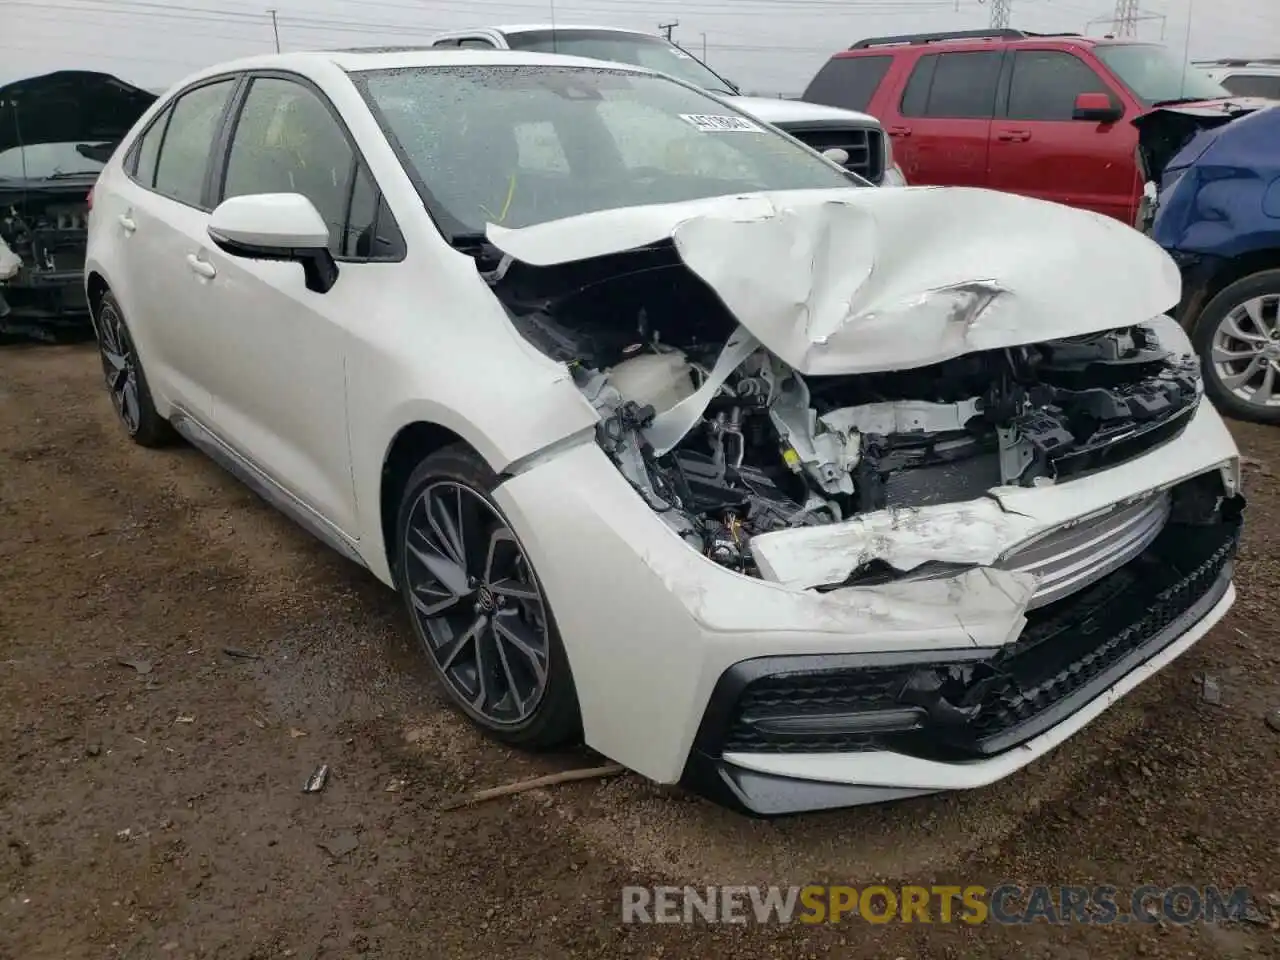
(651, 628)
(789, 734)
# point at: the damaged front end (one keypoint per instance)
(844, 404)
(57, 131)
(1166, 131)
(733, 445)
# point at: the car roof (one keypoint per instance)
(359, 59)
(974, 40)
(507, 28)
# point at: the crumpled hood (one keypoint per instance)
(1164, 131)
(858, 280)
(69, 106)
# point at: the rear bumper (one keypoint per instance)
(791, 734)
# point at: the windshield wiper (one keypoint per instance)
(70, 174)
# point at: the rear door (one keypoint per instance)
(160, 215)
(941, 126)
(1038, 150)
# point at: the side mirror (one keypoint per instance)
(837, 155)
(1097, 108)
(276, 226)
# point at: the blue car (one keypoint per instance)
(1218, 215)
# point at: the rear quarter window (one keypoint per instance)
(848, 82)
(1253, 85)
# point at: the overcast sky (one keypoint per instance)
(765, 45)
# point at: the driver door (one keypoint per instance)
(279, 388)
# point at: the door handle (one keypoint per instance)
(201, 268)
(127, 222)
(899, 131)
(1014, 136)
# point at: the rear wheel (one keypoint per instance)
(126, 382)
(477, 607)
(1238, 339)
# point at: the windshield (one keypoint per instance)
(1155, 75)
(43, 161)
(639, 50)
(518, 145)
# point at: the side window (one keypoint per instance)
(445, 43)
(960, 86)
(371, 232)
(287, 141)
(1046, 83)
(848, 82)
(187, 146)
(476, 43)
(147, 152)
(1253, 85)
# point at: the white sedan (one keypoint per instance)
(672, 435)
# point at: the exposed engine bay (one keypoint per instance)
(43, 234)
(725, 441)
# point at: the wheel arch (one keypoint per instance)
(1226, 272)
(95, 287)
(411, 444)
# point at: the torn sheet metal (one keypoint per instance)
(984, 530)
(973, 533)
(855, 281)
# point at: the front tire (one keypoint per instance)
(477, 607)
(126, 381)
(1238, 340)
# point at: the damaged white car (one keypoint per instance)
(671, 435)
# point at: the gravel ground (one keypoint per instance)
(150, 783)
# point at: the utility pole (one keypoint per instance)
(666, 28)
(275, 28)
(1000, 13)
(704, 46)
(1125, 21)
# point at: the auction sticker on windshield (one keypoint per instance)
(716, 123)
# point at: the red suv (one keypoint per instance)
(1045, 115)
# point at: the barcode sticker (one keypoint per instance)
(716, 123)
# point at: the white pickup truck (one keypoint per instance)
(868, 151)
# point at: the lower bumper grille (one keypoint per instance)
(963, 704)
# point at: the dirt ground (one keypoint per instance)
(150, 783)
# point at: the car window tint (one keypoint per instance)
(188, 142)
(481, 44)
(287, 141)
(371, 231)
(1253, 85)
(962, 86)
(148, 152)
(1046, 83)
(848, 82)
(916, 96)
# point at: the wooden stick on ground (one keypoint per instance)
(520, 786)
